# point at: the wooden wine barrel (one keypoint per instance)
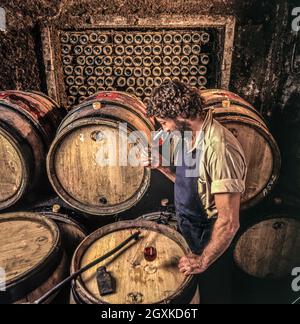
(138, 281)
(31, 255)
(261, 151)
(28, 122)
(72, 232)
(269, 249)
(163, 218)
(220, 98)
(84, 161)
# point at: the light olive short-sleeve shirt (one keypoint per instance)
(222, 167)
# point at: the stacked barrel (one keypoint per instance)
(36, 248)
(248, 126)
(34, 261)
(28, 123)
(85, 167)
(35, 252)
(268, 246)
(88, 136)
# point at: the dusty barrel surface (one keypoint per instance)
(163, 218)
(72, 232)
(269, 249)
(88, 163)
(28, 123)
(248, 126)
(138, 280)
(31, 255)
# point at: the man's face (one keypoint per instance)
(171, 125)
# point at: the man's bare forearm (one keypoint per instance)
(222, 237)
(225, 228)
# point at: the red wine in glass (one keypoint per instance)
(150, 253)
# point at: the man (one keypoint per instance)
(207, 203)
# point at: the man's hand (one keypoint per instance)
(149, 162)
(224, 231)
(192, 264)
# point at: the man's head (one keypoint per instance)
(174, 105)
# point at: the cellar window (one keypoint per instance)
(136, 58)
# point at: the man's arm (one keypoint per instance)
(168, 173)
(224, 231)
(147, 161)
(226, 226)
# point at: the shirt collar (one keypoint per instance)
(200, 136)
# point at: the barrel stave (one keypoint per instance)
(29, 121)
(29, 142)
(249, 127)
(263, 164)
(72, 233)
(113, 101)
(14, 169)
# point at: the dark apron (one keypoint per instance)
(192, 219)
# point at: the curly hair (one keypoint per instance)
(175, 99)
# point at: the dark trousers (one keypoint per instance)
(216, 283)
